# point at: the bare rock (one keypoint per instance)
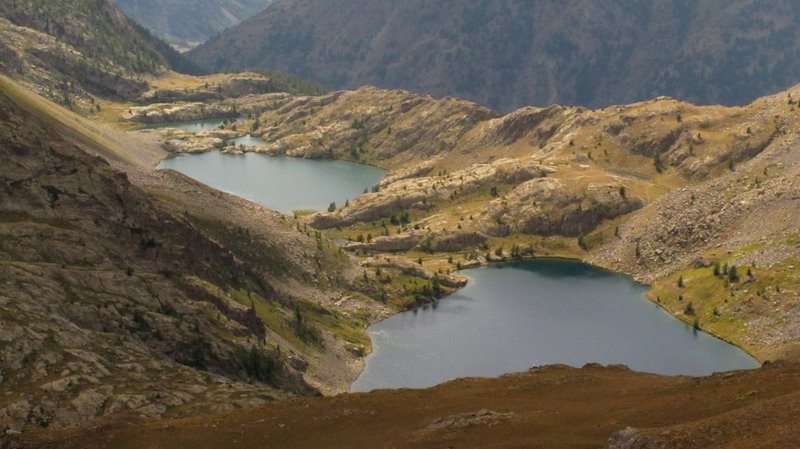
(631, 438)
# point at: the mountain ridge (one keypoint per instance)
(508, 54)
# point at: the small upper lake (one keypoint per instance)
(519, 315)
(279, 183)
(192, 125)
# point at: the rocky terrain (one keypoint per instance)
(508, 54)
(147, 292)
(746, 219)
(88, 56)
(658, 189)
(75, 51)
(98, 30)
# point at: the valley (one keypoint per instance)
(468, 187)
(246, 258)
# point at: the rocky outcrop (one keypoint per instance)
(422, 193)
(455, 241)
(196, 106)
(631, 439)
(391, 244)
(371, 124)
(180, 112)
(552, 207)
(232, 86)
(194, 145)
(423, 240)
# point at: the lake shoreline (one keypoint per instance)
(636, 308)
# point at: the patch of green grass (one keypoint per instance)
(723, 305)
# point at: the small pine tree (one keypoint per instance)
(658, 163)
(582, 242)
(689, 309)
(733, 274)
(680, 282)
(332, 207)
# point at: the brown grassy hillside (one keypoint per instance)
(554, 407)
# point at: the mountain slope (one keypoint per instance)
(148, 292)
(99, 30)
(511, 53)
(71, 50)
(187, 23)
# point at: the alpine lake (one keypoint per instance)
(510, 317)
